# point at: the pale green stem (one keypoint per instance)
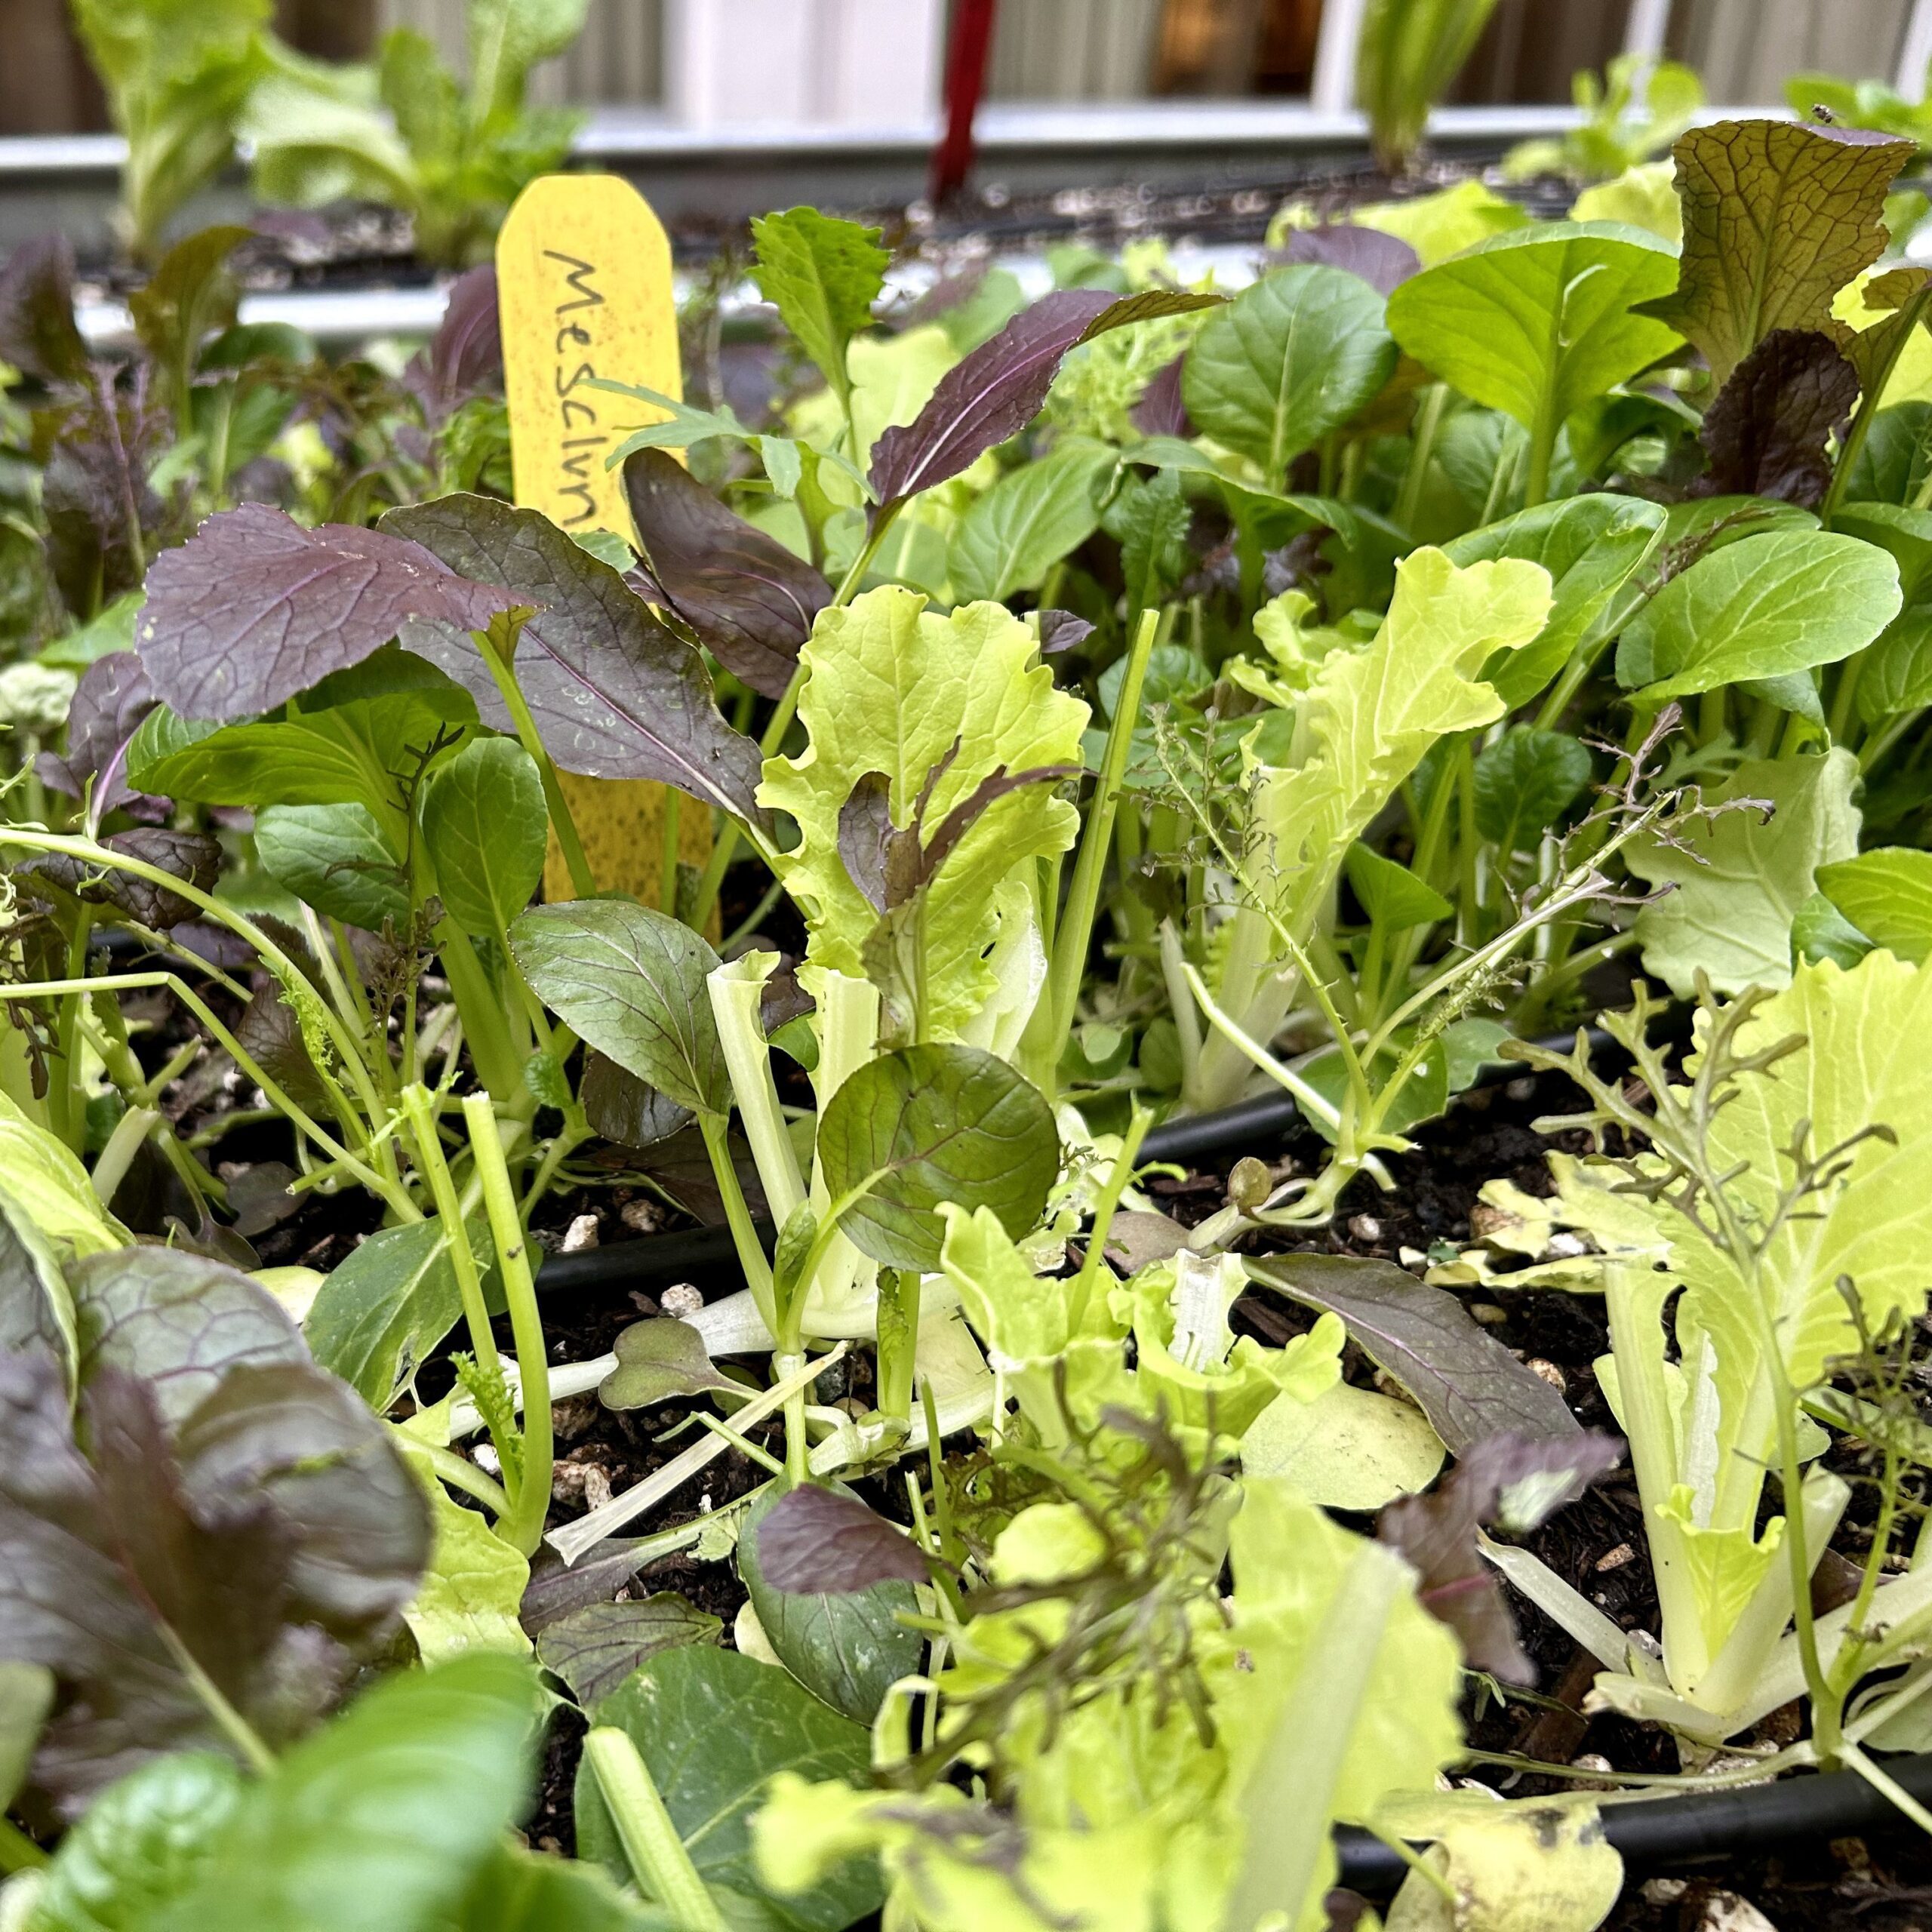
(656, 1854)
(118, 1156)
(502, 668)
(434, 1167)
(530, 1505)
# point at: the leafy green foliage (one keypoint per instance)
(595, 1649)
(971, 698)
(714, 1728)
(1029, 520)
(658, 1361)
(1538, 322)
(404, 133)
(823, 276)
(630, 981)
(1287, 361)
(1777, 218)
(375, 1319)
(929, 1125)
(1738, 879)
(176, 73)
(1887, 896)
(1407, 59)
(385, 1817)
(848, 1647)
(145, 1841)
(484, 821)
(1592, 546)
(1524, 783)
(1762, 607)
(1372, 712)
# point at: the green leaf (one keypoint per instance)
(522, 1891)
(1348, 1449)
(1778, 216)
(1549, 1866)
(1372, 712)
(658, 1361)
(375, 1319)
(347, 741)
(508, 37)
(342, 859)
(320, 135)
(1524, 781)
(1762, 607)
(629, 981)
(1592, 547)
(1739, 879)
(849, 1648)
(973, 679)
(1872, 1227)
(485, 826)
(823, 276)
(474, 1581)
(144, 1842)
(36, 1309)
(1291, 359)
(1031, 517)
(1885, 894)
(594, 1649)
(383, 1819)
(1539, 321)
(1150, 519)
(1819, 930)
(1392, 895)
(1444, 223)
(1363, 1688)
(929, 1125)
(49, 1185)
(26, 1700)
(1895, 675)
(713, 1728)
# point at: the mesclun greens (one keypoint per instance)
(186, 82)
(1140, 698)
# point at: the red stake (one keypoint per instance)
(965, 77)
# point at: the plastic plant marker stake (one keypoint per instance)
(583, 279)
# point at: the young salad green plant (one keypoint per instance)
(1120, 705)
(1770, 1215)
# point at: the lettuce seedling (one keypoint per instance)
(1774, 1188)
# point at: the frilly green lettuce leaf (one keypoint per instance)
(1873, 1226)
(1370, 714)
(1738, 880)
(1122, 1816)
(891, 687)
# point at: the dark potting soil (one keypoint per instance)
(1882, 1883)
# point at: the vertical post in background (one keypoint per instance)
(1914, 51)
(1648, 28)
(583, 281)
(965, 78)
(1332, 90)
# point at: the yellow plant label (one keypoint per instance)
(583, 290)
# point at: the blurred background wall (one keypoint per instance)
(877, 62)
